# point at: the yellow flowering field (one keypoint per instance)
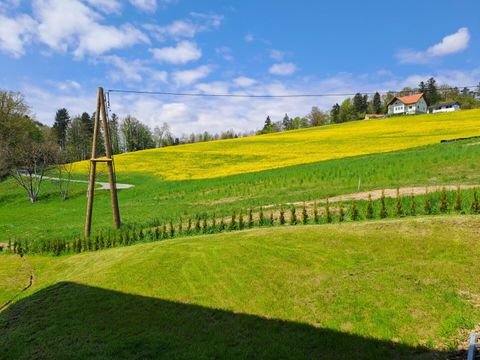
(235, 156)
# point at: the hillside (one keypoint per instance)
(401, 289)
(258, 153)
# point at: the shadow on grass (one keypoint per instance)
(74, 321)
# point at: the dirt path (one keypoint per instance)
(390, 193)
(103, 185)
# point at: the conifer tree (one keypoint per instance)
(458, 200)
(250, 218)
(398, 204)
(413, 205)
(354, 211)
(341, 214)
(282, 216)
(240, 220)
(427, 204)
(233, 222)
(383, 208)
(475, 207)
(369, 211)
(328, 213)
(261, 220)
(304, 215)
(316, 219)
(293, 216)
(443, 201)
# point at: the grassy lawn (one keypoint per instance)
(14, 276)
(398, 288)
(51, 217)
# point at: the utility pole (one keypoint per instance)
(101, 113)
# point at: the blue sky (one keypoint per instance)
(57, 52)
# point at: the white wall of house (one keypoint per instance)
(446, 109)
(400, 108)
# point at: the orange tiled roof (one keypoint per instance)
(411, 99)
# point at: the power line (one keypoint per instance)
(165, 93)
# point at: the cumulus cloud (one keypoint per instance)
(282, 69)
(15, 33)
(188, 77)
(123, 70)
(106, 6)
(182, 53)
(66, 26)
(450, 44)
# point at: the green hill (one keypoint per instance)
(390, 289)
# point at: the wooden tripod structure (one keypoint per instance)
(101, 113)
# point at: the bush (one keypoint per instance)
(293, 215)
(304, 215)
(458, 200)
(315, 213)
(369, 211)
(383, 207)
(443, 201)
(354, 211)
(328, 213)
(413, 205)
(282, 216)
(398, 204)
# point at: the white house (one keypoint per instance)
(445, 107)
(412, 104)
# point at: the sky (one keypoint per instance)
(57, 52)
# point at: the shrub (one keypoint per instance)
(427, 204)
(233, 222)
(241, 224)
(189, 225)
(261, 219)
(204, 225)
(197, 225)
(475, 207)
(172, 229)
(250, 218)
(272, 220)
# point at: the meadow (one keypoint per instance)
(155, 199)
(382, 289)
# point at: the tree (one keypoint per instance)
(60, 125)
(317, 117)
(286, 123)
(346, 112)
(335, 114)
(78, 140)
(432, 92)
(422, 88)
(163, 137)
(267, 127)
(136, 136)
(358, 106)
(114, 134)
(377, 103)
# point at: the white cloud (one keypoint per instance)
(15, 33)
(133, 70)
(277, 55)
(188, 77)
(106, 6)
(450, 44)
(184, 52)
(225, 52)
(217, 87)
(63, 26)
(249, 38)
(145, 5)
(282, 69)
(244, 81)
(186, 28)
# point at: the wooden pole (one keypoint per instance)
(101, 112)
(111, 175)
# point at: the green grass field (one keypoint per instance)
(152, 197)
(384, 289)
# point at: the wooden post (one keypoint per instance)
(101, 112)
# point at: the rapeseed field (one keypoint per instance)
(257, 153)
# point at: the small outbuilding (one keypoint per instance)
(445, 107)
(374, 116)
(411, 104)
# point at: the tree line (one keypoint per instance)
(356, 107)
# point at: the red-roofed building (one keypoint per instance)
(412, 104)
